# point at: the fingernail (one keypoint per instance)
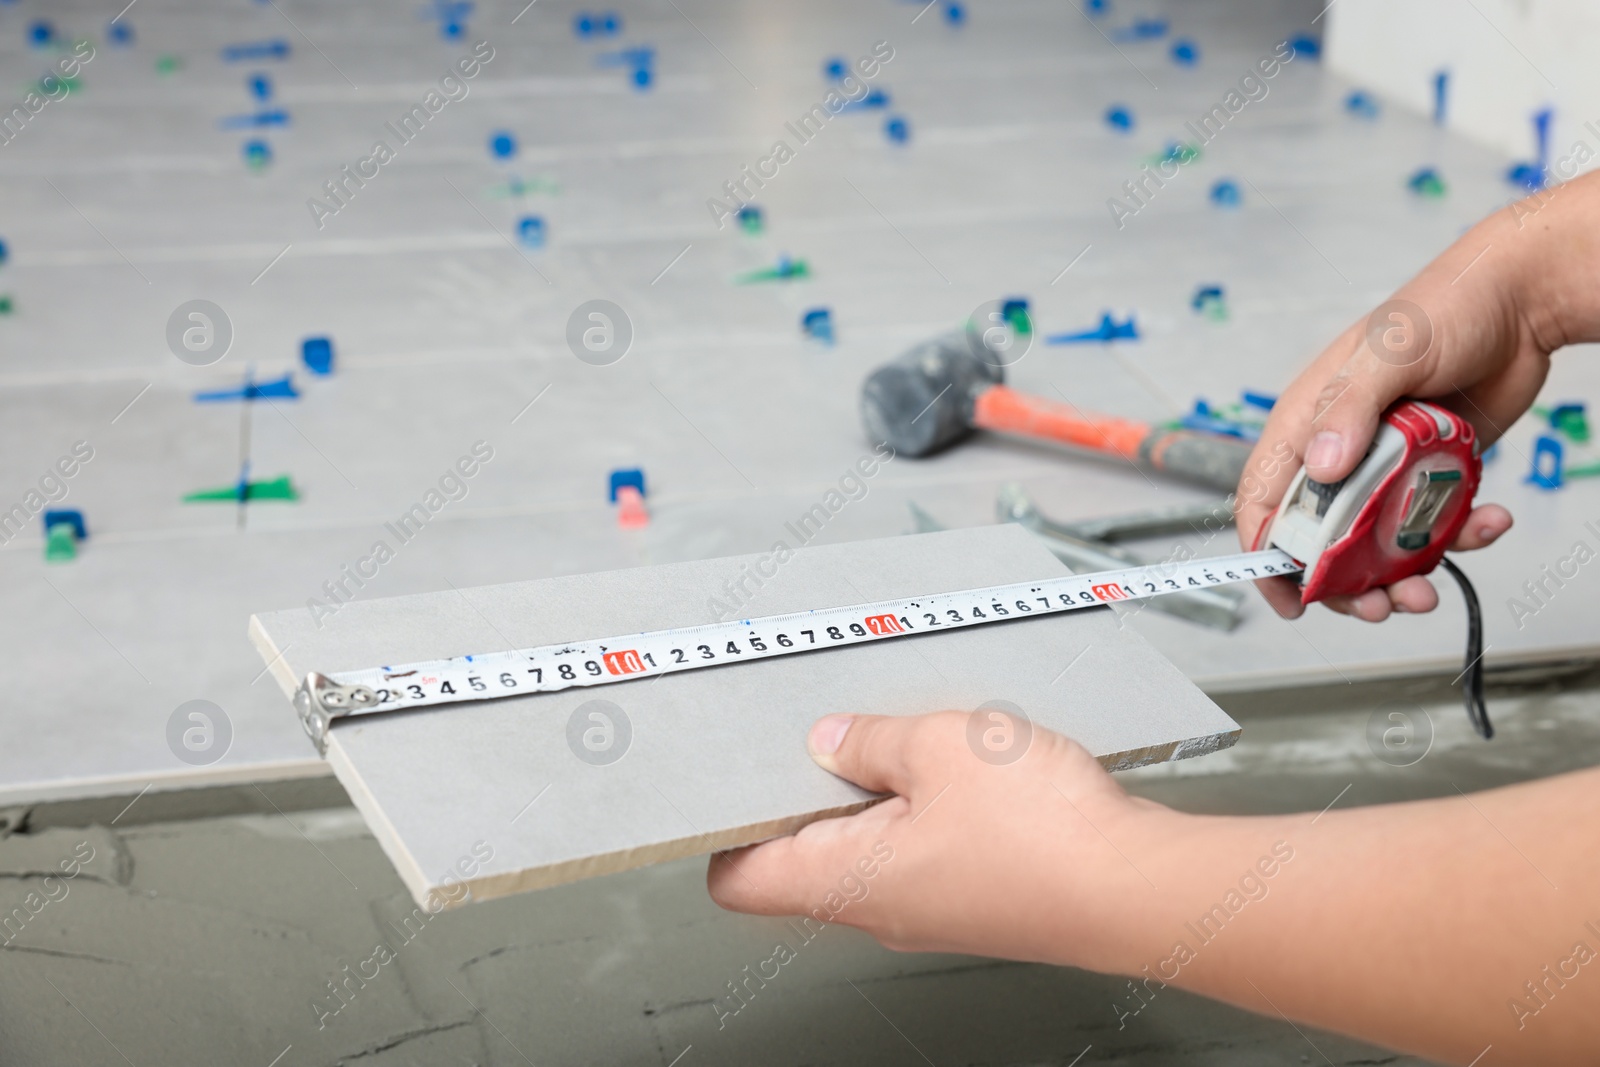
(827, 734)
(1488, 533)
(1325, 450)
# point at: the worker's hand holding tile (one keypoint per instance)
(1002, 839)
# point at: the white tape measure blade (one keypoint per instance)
(604, 661)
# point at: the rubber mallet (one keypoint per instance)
(941, 390)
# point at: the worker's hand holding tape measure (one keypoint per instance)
(1457, 336)
(1364, 475)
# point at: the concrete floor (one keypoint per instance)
(205, 940)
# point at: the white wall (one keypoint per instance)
(1507, 59)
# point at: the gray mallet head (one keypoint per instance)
(922, 401)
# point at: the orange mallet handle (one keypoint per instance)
(1207, 459)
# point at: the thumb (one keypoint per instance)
(1389, 361)
(876, 752)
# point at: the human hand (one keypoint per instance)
(1310, 917)
(1465, 340)
(1027, 859)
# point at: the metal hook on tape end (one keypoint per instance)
(320, 700)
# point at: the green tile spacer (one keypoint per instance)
(786, 270)
(519, 187)
(275, 489)
(1179, 152)
(73, 85)
(1573, 423)
(61, 543)
(1427, 183)
(1569, 420)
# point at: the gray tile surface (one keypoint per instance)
(713, 758)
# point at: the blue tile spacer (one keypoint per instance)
(317, 354)
(1546, 447)
(626, 476)
(70, 516)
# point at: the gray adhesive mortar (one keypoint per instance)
(717, 757)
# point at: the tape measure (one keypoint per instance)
(551, 668)
(1392, 517)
